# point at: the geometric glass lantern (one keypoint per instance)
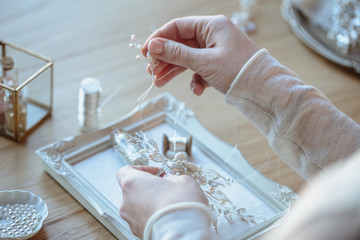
(26, 90)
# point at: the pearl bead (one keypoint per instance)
(20, 219)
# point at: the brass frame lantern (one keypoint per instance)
(25, 102)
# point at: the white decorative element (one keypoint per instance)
(139, 148)
(136, 149)
(243, 18)
(21, 214)
(54, 154)
(285, 195)
(152, 61)
(345, 25)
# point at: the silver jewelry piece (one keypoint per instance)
(345, 25)
(139, 149)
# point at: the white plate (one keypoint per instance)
(13, 197)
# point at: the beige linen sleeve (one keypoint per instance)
(180, 221)
(303, 127)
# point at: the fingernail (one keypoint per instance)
(156, 47)
(195, 89)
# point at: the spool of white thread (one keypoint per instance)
(89, 104)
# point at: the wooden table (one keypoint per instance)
(91, 38)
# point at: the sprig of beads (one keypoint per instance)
(18, 220)
(139, 148)
(152, 61)
(211, 182)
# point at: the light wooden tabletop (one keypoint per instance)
(91, 38)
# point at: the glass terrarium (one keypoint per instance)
(26, 90)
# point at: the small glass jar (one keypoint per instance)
(2, 108)
(2, 103)
(10, 78)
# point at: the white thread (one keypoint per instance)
(88, 106)
(111, 96)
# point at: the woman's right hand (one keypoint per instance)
(144, 194)
(211, 46)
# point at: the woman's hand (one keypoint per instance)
(211, 46)
(144, 194)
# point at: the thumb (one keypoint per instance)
(173, 52)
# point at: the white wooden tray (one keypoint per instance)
(86, 167)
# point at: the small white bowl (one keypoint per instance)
(13, 197)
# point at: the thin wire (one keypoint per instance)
(142, 97)
(107, 100)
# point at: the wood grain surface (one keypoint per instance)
(91, 38)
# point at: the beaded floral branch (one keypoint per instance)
(152, 62)
(139, 149)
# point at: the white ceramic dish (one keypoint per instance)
(22, 198)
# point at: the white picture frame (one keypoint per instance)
(76, 163)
